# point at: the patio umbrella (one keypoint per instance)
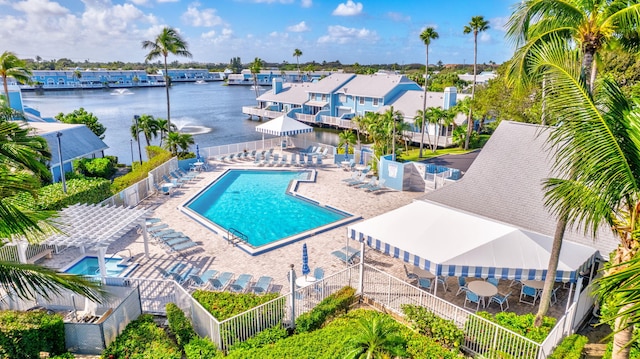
(197, 152)
(305, 260)
(283, 126)
(361, 155)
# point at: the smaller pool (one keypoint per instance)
(88, 266)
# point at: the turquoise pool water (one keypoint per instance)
(88, 266)
(255, 203)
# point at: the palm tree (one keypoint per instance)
(177, 140)
(426, 36)
(21, 160)
(146, 125)
(591, 25)
(597, 147)
(391, 122)
(376, 339)
(256, 67)
(477, 25)
(164, 127)
(435, 116)
(12, 66)
(167, 42)
(346, 138)
(420, 120)
(297, 53)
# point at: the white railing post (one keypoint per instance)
(292, 287)
(361, 281)
(22, 251)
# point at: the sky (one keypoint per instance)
(349, 31)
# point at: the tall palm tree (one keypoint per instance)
(377, 338)
(597, 148)
(146, 125)
(391, 126)
(591, 25)
(426, 36)
(167, 42)
(255, 68)
(164, 127)
(477, 25)
(12, 66)
(297, 53)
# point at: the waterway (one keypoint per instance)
(211, 112)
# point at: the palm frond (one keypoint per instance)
(29, 280)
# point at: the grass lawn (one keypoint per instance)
(412, 154)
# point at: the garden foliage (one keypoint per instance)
(443, 331)
(180, 325)
(23, 335)
(142, 339)
(570, 347)
(52, 197)
(337, 302)
(104, 167)
(141, 172)
(224, 305)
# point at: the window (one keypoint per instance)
(342, 98)
(375, 102)
(361, 100)
(324, 97)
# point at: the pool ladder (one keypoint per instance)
(234, 236)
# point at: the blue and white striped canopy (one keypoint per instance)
(284, 126)
(447, 242)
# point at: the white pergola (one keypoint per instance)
(95, 227)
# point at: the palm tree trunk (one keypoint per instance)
(621, 339)
(424, 102)
(473, 90)
(6, 90)
(166, 86)
(588, 66)
(549, 281)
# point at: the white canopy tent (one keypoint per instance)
(447, 242)
(283, 126)
(96, 227)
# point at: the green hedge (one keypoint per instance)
(522, 324)
(332, 341)
(52, 197)
(224, 305)
(265, 337)
(426, 323)
(96, 167)
(570, 347)
(199, 348)
(157, 157)
(142, 339)
(23, 335)
(180, 325)
(327, 308)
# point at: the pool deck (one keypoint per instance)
(214, 252)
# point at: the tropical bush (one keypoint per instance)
(570, 347)
(337, 302)
(141, 172)
(79, 190)
(522, 324)
(23, 335)
(332, 341)
(265, 337)
(199, 348)
(142, 339)
(180, 325)
(66, 355)
(224, 305)
(443, 331)
(96, 167)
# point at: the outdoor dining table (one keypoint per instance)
(197, 166)
(305, 280)
(537, 284)
(483, 289)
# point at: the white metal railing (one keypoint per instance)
(215, 151)
(37, 251)
(261, 112)
(306, 118)
(9, 253)
(245, 325)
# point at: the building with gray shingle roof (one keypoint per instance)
(505, 183)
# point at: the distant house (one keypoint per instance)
(481, 78)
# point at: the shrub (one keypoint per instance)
(26, 334)
(224, 305)
(141, 172)
(66, 355)
(420, 346)
(522, 324)
(265, 337)
(95, 167)
(199, 348)
(426, 323)
(570, 347)
(52, 197)
(180, 325)
(335, 303)
(142, 339)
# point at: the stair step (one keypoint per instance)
(594, 351)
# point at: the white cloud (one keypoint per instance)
(349, 8)
(343, 35)
(307, 3)
(499, 23)
(398, 17)
(41, 8)
(484, 37)
(140, 2)
(201, 18)
(163, 1)
(300, 27)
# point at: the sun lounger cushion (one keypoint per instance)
(241, 283)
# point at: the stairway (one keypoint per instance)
(593, 351)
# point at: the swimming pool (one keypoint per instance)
(261, 207)
(88, 266)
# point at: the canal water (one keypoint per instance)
(212, 112)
